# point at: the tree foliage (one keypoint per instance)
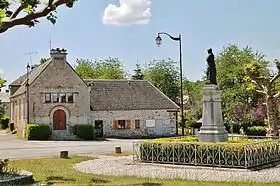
(165, 76)
(110, 68)
(193, 103)
(138, 75)
(237, 99)
(265, 83)
(27, 12)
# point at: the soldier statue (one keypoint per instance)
(211, 70)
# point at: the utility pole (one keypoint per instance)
(28, 67)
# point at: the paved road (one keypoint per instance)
(14, 148)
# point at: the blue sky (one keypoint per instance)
(203, 24)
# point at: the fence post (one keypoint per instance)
(152, 152)
(195, 151)
(219, 156)
(246, 162)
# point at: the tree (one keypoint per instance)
(27, 12)
(265, 83)
(237, 100)
(2, 107)
(165, 76)
(43, 60)
(110, 68)
(193, 105)
(138, 75)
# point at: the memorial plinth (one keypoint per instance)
(212, 129)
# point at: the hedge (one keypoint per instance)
(256, 131)
(84, 131)
(229, 154)
(37, 132)
(4, 122)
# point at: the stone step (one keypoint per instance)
(64, 135)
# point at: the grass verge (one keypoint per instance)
(60, 172)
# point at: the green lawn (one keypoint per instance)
(56, 171)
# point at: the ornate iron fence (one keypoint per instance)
(215, 155)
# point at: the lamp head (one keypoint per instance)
(158, 40)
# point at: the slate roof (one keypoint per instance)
(4, 97)
(127, 95)
(33, 74)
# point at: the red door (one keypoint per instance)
(59, 120)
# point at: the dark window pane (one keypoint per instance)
(62, 97)
(70, 97)
(121, 124)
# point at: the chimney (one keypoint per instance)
(58, 54)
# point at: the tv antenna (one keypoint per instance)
(30, 56)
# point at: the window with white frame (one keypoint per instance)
(61, 97)
(70, 97)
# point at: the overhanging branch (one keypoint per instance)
(275, 78)
(27, 19)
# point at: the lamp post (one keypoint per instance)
(179, 38)
(27, 92)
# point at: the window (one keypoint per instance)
(137, 124)
(55, 97)
(70, 97)
(121, 124)
(62, 97)
(47, 97)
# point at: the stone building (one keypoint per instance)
(5, 102)
(58, 96)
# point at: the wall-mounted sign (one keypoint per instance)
(150, 123)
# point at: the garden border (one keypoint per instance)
(23, 177)
(217, 155)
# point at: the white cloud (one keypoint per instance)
(128, 12)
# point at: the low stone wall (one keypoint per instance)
(209, 154)
(21, 178)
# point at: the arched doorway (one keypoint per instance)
(59, 120)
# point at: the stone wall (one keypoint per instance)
(18, 108)
(59, 77)
(108, 117)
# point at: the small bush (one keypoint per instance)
(85, 131)
(38, 132)
(256, 131)
(4, 122)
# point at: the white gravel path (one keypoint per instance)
(124, 166)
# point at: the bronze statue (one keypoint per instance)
(211, 70)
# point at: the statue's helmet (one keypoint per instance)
(209, 50)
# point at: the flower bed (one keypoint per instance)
(234, 154)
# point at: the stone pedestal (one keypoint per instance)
(212, 129)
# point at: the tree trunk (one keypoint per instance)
(272, 114)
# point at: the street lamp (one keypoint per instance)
(179, 38)
(27, 91)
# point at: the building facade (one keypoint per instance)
(53, 93)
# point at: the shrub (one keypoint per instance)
(38, 132)
(85, 131)
(4, 122)
(256, 131)
(184, 139)
(194, 124)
